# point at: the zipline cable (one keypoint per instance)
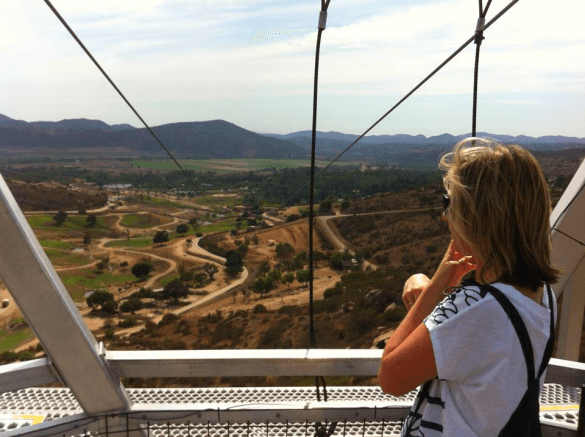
(436, 70)
(312, 339)
(87, 52)
(478, 40)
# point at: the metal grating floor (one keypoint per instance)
(559, 407)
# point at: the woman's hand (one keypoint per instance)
(413, 287)
(453, 267)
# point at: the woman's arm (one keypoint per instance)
(408, 359)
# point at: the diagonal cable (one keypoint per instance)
(87, 52)
(436, 70)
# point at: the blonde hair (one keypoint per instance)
(500, 207)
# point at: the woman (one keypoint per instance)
(482, 350)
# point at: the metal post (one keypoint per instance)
(52, 315)
(571, 320)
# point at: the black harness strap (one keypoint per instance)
(520, 328)
(525, 420)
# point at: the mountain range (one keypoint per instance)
(221, 139)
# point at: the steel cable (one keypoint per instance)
(436, 70)
(87, 52)
(312, 339)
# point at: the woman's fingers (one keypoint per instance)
(413, 287)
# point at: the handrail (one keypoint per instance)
(243, 363)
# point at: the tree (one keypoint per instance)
(131, 305)
(345, 204)
(288, 279)
(91, 221)
(87, 238)
(142, 269)
(103, 299)
(161, 237)
(60, 218)
(336, 261)
(82, 210)
(303, 276)
(264, 267)
(183, 228)
(284, 251)
(175, 290)
(326, 206)
(299, 260)
(262, 285)
(255, 239)
(274, 275)
(234, 263)
(193, 222)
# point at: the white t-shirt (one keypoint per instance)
(480, 365)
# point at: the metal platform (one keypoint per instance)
(215, 412)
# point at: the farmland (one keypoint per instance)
(229, 165)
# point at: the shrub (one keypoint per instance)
(287, 309)
(241, 313)
(150, 328)
(142, 269)
(335, 291)
(213, 317)
(259, 309)
(127, 323)
(131, 305)
(168, 319)
(395, 314)
(327, 305)
(183, 327)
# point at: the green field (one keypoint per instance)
(133, 242)
(220, 200)
(219, 226)
(168, 279)
(142, 221)
(73, 222)
(230, 165)
(56, 244)
(80, 282)
(165, 203)
(61, 259)
(10, 341)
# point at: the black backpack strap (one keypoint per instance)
(520, 328)
(551, 340)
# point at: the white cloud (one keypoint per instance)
(200, 51)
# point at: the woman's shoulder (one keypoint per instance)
(467, 295)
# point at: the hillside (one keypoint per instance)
(414, 149)
(45, 196)
(206, 139)
(221, 139)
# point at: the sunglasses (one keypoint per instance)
(446, 201)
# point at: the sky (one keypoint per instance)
(251, 62)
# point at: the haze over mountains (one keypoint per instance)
(221, 139)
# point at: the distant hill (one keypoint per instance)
(207, 139)
(304, 137)
(78, 124)
(413, 149)
(221, 139)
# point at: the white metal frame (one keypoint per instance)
(52, 315)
